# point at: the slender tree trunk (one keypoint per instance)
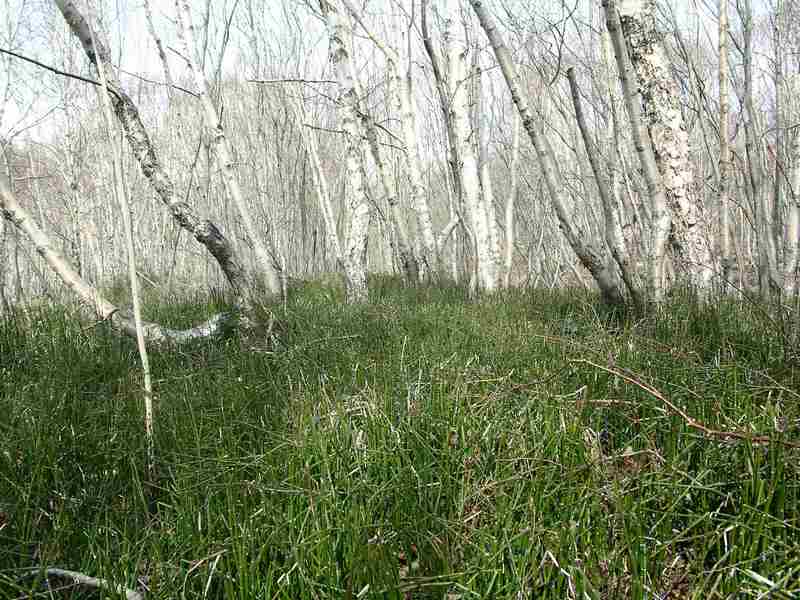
(512, 197)
(469, 172)
(355, 254)
(400, 86)
(487, 190)
(408, 262)
(124, 206)
(724, 149)
(120, 320)
(767, 267)
(321, 182)
(792, 234)
(162, 55)
(776, 214)
(613, 229)
(592, 255)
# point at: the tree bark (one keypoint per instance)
(591, 255)
(468, 171)
(767, 259)
(660, 219)
(613, 229)
(512, 198)
(724, 149)
(355, 254)
(400, 86)
(662, 111)
(203, 230)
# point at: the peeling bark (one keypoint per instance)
(665, 124)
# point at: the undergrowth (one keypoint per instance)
(421, 446)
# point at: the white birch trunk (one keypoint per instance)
(487, 192)
(320, 180)
(512, 197)
(401, 91)
(670, 139)
(660, 220)
(457, 50)
(724, 149)
(357, 204)
(216, 132)
(408, 263)
(792, 233)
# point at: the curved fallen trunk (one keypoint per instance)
(84, 581)
(120, 319)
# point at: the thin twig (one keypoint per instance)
(690, 421)
(305, 81)
(57, 71)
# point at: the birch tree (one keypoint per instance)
(464, 135)
(792, 234)
(349, 94)
(662, 111)
(126, 112)
(510, 202)
(724, 148)
(215, 130)
(660, 219)
(591, 254)
(92, 301)
(401, 89)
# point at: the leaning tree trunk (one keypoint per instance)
(591, 254)
(613, 229)
(203, 230)
(662, 110)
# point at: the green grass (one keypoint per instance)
(422, 446)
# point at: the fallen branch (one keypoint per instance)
(79, 579)
(675, 409)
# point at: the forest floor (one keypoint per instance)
(526, 445)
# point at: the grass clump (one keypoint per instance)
(422, 446)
